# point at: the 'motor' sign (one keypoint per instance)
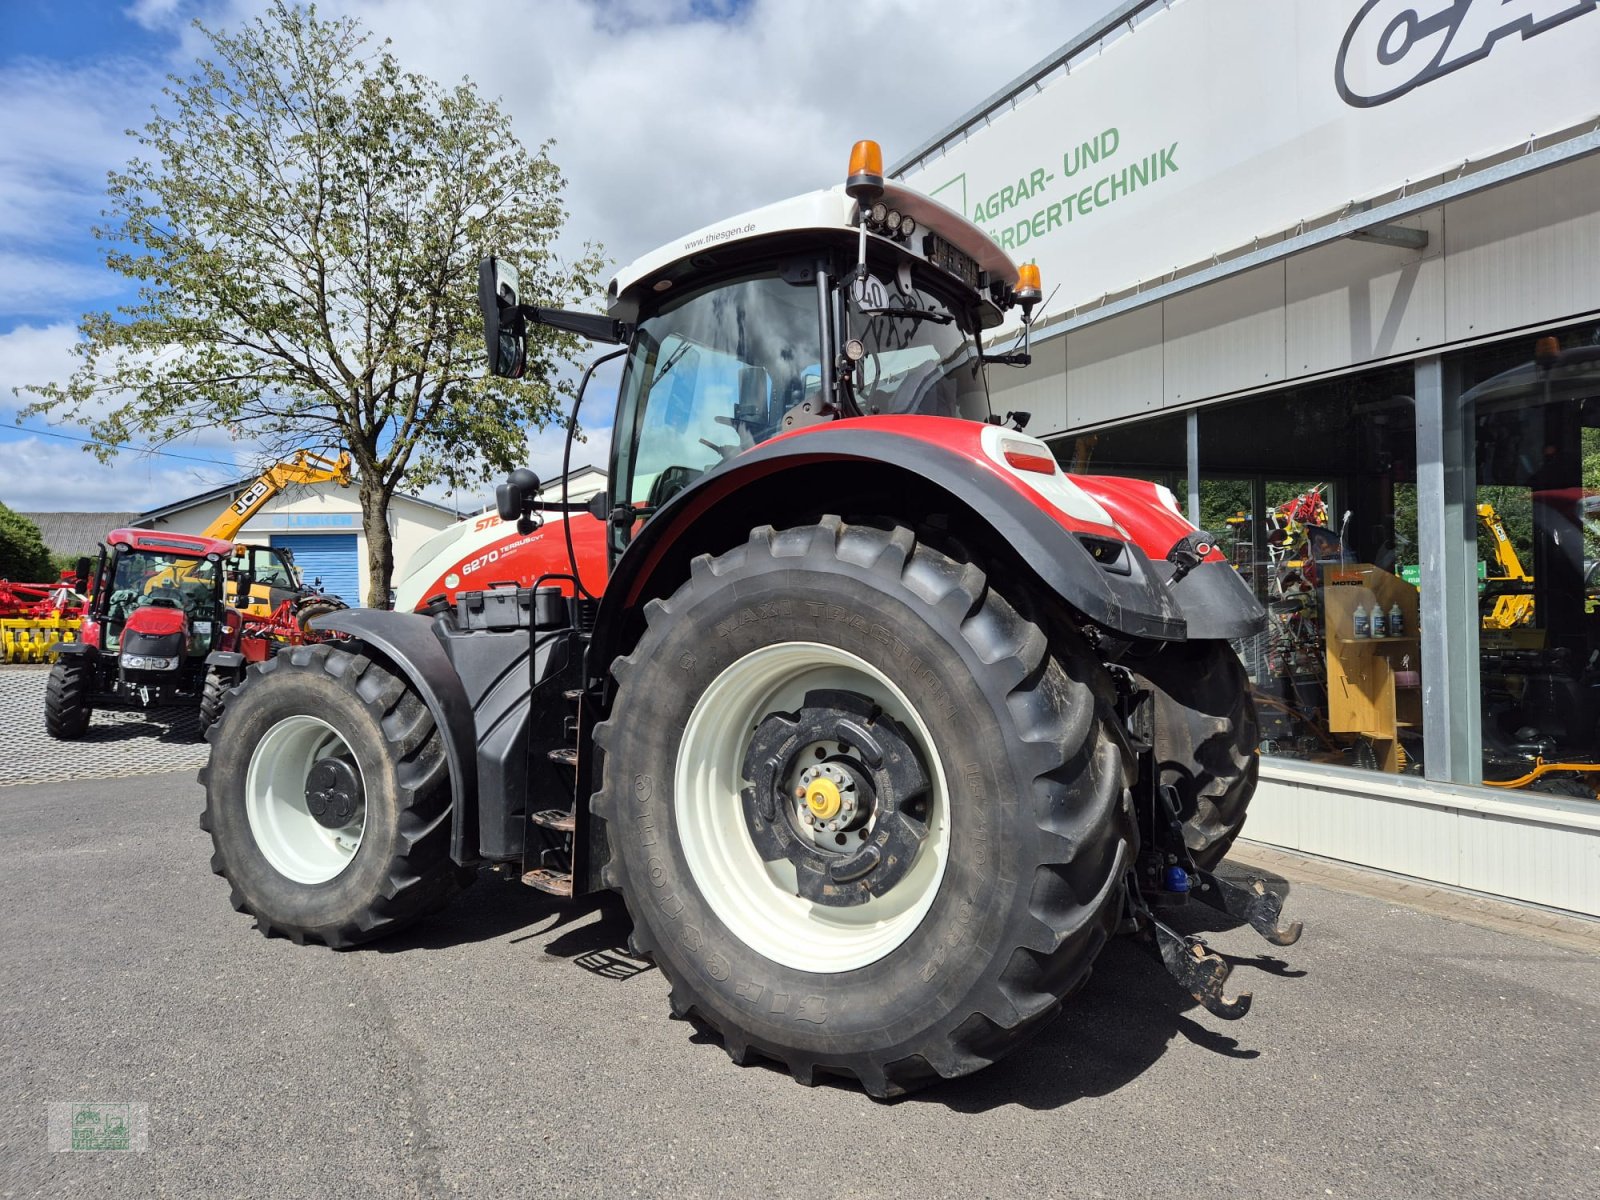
(1218, 122)
(1394, 46)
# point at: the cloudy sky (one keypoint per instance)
(667, 115)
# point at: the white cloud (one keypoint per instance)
(41, 474)
(65, 128)
(665, 121)
(153, 14)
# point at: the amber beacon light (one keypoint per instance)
(1029, 287)
(865, 181)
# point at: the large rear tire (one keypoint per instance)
(952, 945)
(67, 692)
(328, 799)
(1206, 739)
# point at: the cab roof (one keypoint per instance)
(829, 210)
(188, 544)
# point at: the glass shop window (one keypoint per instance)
(1312, 492)
(1157, 450)
(1534, 406)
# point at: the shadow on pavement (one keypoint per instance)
(494, 908)
(491, 908)
(1117, 1027)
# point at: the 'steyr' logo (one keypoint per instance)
(1394, 46)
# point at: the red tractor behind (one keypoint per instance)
(156, 631)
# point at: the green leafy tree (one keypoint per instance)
(23, 555)
(305, 219)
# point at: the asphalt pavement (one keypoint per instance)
(508, 1046)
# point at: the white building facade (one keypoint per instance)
(1330, 269)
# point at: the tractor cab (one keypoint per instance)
(157, 607)
(260, 578)
(862, 300)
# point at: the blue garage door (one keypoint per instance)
(330, 557)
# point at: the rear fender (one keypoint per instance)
(915, 469)
(408, 643)
(1216, 601)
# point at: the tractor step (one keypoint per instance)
(556, 883)
(554, 818)
(566, 756)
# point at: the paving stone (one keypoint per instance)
(117, 744)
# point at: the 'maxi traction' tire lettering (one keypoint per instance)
(1038, 837)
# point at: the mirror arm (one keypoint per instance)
(588, 325)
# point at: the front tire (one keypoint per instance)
(212, 699)
(956, 942)
(67, 707)
(328, 799)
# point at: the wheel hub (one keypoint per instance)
(822, 795)
(333, 792)
(838, 790)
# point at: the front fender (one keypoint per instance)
(408, 642)
(799, 472)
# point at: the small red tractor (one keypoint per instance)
(883, 724)
(158, 630)
(155, 614)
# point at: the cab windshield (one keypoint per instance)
(711, 376)
(918, 358)
(173, 580)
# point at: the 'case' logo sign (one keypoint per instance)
(1395, 46)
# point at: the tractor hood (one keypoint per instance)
(155, 621)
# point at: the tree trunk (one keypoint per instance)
(380, 547)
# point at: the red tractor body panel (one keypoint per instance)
(1145, 510)
(484, 550)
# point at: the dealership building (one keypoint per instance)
(1330, 270)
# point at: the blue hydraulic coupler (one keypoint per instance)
(1175, 879)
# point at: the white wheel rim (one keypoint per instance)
(290, 838)
(757, 900)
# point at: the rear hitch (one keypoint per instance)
(1251, 902)
(1199, 970)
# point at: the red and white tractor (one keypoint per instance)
(881, 724)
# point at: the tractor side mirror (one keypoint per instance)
(504, 327)
(514, 499)
(80, 576)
